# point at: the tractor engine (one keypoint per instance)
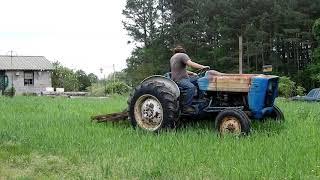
(228, 99)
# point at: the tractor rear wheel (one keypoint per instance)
(152, 107)
(233, 121)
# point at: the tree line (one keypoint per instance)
(282, 33)
(71, 80)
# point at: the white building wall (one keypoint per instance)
(42, 79)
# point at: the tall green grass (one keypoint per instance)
(54, 138)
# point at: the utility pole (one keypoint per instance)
(240, 54)
(114, 77)
(105, 85)
(104, 82)
(114, 74)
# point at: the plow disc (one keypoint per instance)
(113, 117)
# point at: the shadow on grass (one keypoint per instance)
(268, 127)
(197, 124)
(119, 124)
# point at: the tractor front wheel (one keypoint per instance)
(233, 121)
(276, 114)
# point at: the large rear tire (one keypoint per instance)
(152, 107)
(233, 121)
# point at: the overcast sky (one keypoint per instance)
(81, 34)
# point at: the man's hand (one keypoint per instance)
(206, 67)
(191, 73)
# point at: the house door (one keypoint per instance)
(2, 81)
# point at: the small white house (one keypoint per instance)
(27, 74)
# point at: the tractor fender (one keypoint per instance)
(167, 82)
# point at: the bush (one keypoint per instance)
(117, 88)
(101, 90)
(300, 91)
(10, 92)
(288, 88)
(316, 29)
(96, 90)
(29, 94)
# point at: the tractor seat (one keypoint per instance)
(169, 76)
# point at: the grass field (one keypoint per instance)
(45, 138)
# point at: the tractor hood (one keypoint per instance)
(229, 82)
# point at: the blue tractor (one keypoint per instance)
(234, 100)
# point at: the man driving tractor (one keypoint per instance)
(186, 80)
(234, 99)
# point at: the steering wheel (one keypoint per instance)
(203, 70)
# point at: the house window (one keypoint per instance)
(28, 78)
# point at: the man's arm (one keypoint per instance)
(195, 65)
(199, 66)
(216, 72)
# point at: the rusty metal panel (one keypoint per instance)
(230, 82)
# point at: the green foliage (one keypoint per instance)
(93, 78)
(274, 32)
(119, 76)
(96, 90)
(145, 62)
(117, 88)
(316, 56)
(300, 91)
(63, 77)
(316, 30)
(83, 80)
(288, 88)
(313, 70)
(101, 89)
(141, 24)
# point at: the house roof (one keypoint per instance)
(25, 63)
